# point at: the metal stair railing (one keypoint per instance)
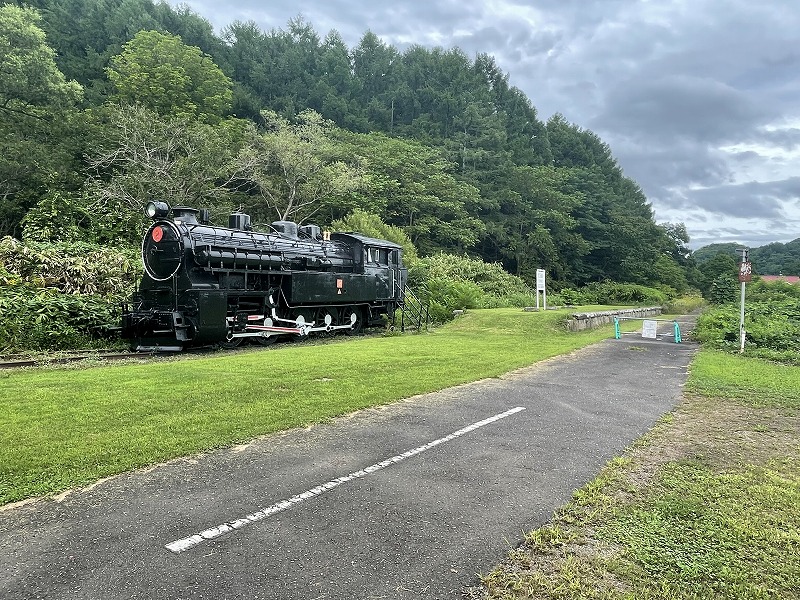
(413, 311)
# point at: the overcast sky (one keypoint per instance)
(699, 100)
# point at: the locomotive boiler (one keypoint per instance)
(206, 285)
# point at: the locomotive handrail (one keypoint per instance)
(418, 313)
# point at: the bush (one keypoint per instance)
(71, 268)
(610, 292)
(491, 278)
(772, 324)
(59, 296)
(449, 282)
(46, 319)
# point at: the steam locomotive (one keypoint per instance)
(205, 285)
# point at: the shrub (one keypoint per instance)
(46, 319)
(72, 268)
(772, 324)
(450, 282)
(610, 292)
(58, 296)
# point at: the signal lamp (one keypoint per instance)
(156, 210)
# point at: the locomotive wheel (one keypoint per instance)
(266, 341)
(308, 317)
(320, 320)
(347, 317)
(231, 343)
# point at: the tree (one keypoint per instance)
(373, 226)
(719, 277)
(37, 106)
(293, 169)
(143, 156)
(412, 186)
(162, 73)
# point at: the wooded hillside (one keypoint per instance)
(130, 100)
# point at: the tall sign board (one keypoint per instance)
(541, 287)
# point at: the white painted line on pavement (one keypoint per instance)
(213, 532)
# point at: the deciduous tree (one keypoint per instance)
(162, 73)
(37, 106)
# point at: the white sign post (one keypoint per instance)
(541, 287)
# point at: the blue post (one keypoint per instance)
(616, 329)
(677, 333)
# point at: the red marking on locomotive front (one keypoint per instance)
(158, 233)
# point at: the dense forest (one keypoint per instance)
(432, 141)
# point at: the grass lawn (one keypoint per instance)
(707, 505)
(66, 427)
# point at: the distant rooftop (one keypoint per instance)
(794, 279)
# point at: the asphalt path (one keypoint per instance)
(411, 500)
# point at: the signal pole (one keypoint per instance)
(745, 274)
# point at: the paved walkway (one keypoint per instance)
(407, 501)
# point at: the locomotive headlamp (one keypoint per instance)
(156, 210)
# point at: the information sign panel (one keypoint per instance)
(649, 329)
(540, 286)
(745, 272)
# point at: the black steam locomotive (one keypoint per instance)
(206, 285)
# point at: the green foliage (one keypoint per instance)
(37, 117)
(144, 156)
(61, 295)
(491, 278)
(30, 82)
(372, 225)
(724, 289)
(71, 268)
(772, 323)
(445, 296)
(47, 319)
(293, 170)
(59, 217)
(411, 185)
(612, 293)
(771, 259)
(450, 282)
(162, 73)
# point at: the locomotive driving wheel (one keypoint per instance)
(301, 316)
(266, 340)
(326, 316)
(231, 342)
(355, 316)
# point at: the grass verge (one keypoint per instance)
(66, 427)
(707, 505)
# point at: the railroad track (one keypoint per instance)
(18, 363)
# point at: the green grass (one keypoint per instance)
(752, 381)
(707, 505)
(61, 428)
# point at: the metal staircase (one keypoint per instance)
(414, 313)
